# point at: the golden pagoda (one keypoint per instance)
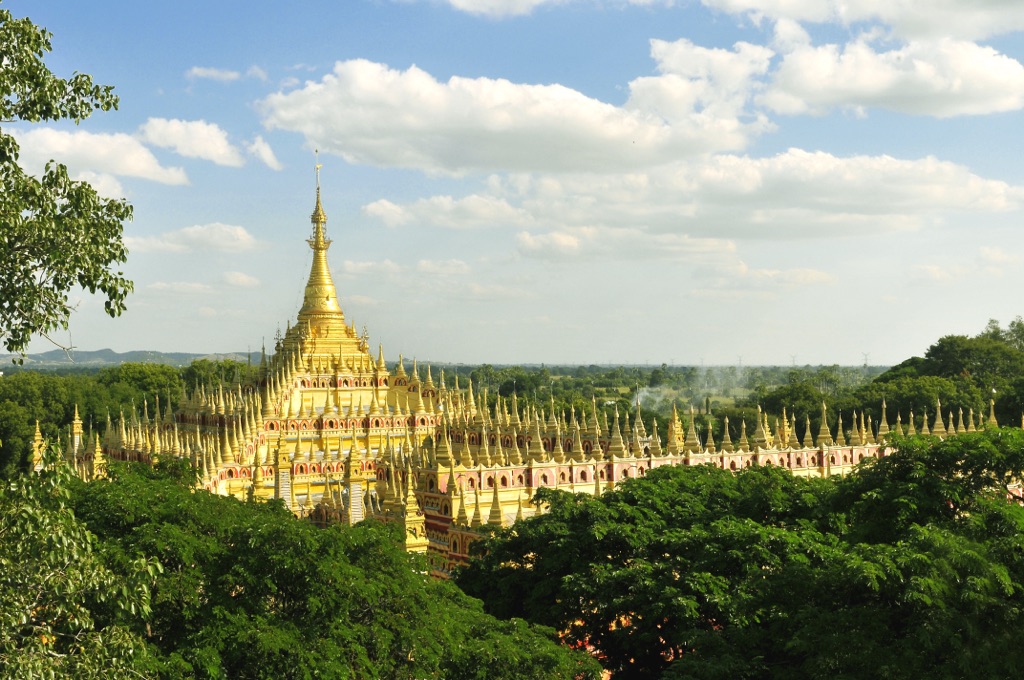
(338, 436)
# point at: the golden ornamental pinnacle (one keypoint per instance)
(321, 298)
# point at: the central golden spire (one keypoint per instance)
(321, 298)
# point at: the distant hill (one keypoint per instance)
(57, 358)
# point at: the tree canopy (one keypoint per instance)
(911, 567)
(55, 233)
(63, 611)
(249, 591)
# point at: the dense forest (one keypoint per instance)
(911, 567)
(140, 575)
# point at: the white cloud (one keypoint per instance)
(442, 268)
(208, 73)
(116, 154)
(389, 213)
(186, 287)
(261, 150)
(197, 238)
(499, 9)
(997, 256)
(619, 243)
(207, 312)
(794, 194)
(105, 184)
(940, 78)
(383, 267)
(733, 279)
(369, 113)
(968, 19)
(192, 139)
(710, 84)
(241, 280)
(469, 212)
(257, 73)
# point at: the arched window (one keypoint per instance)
(490, 482)
(583, 475)
(504, 481)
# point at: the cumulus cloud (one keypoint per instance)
(257, 73)
(733, 279)
(499, 9)
(442, 267)
(186, 287)
(701, 84)
(105, 185)
(620, 243)
(908, 18)
(369, 113)
(209, 73)
(192, 139)
(794, 194)
(469, 212)
(261, 150)
(116, 154)
(383, 267)
(241, 280)
(197, 238)
(940, 78)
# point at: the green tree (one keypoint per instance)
(63, 612)
(56, 233)
(911, 567)
(248, 591)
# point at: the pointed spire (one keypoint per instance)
(692, 444)
(320, 298)
(709, 443)
(883, 423)
(824, 434)
(744, 444)
(938, 427)
(727, 446)
(495, 515)
(840, 435)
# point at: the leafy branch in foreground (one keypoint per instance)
(55, 233)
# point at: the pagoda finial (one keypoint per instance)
(320, 297)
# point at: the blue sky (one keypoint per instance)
(574, 181)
